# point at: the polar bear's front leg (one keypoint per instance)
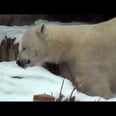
(66, 72)
(93, 80)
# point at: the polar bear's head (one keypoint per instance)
(44, 43)
(33, 48)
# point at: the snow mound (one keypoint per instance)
(40, 21)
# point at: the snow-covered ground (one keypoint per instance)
(34, 80)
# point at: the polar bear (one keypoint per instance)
(87, 50)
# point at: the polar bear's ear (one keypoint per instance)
(41, 29)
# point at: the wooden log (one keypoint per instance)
(8, 49)
(43, 98)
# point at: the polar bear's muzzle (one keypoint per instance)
(23, 62)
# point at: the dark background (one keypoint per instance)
(29, 19)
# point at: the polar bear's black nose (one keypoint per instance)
(23, 63)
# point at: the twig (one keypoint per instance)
(61, 95)
(61, 88)
(72, 98)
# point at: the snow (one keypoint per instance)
(33, 80)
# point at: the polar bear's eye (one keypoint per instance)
(23, 49)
